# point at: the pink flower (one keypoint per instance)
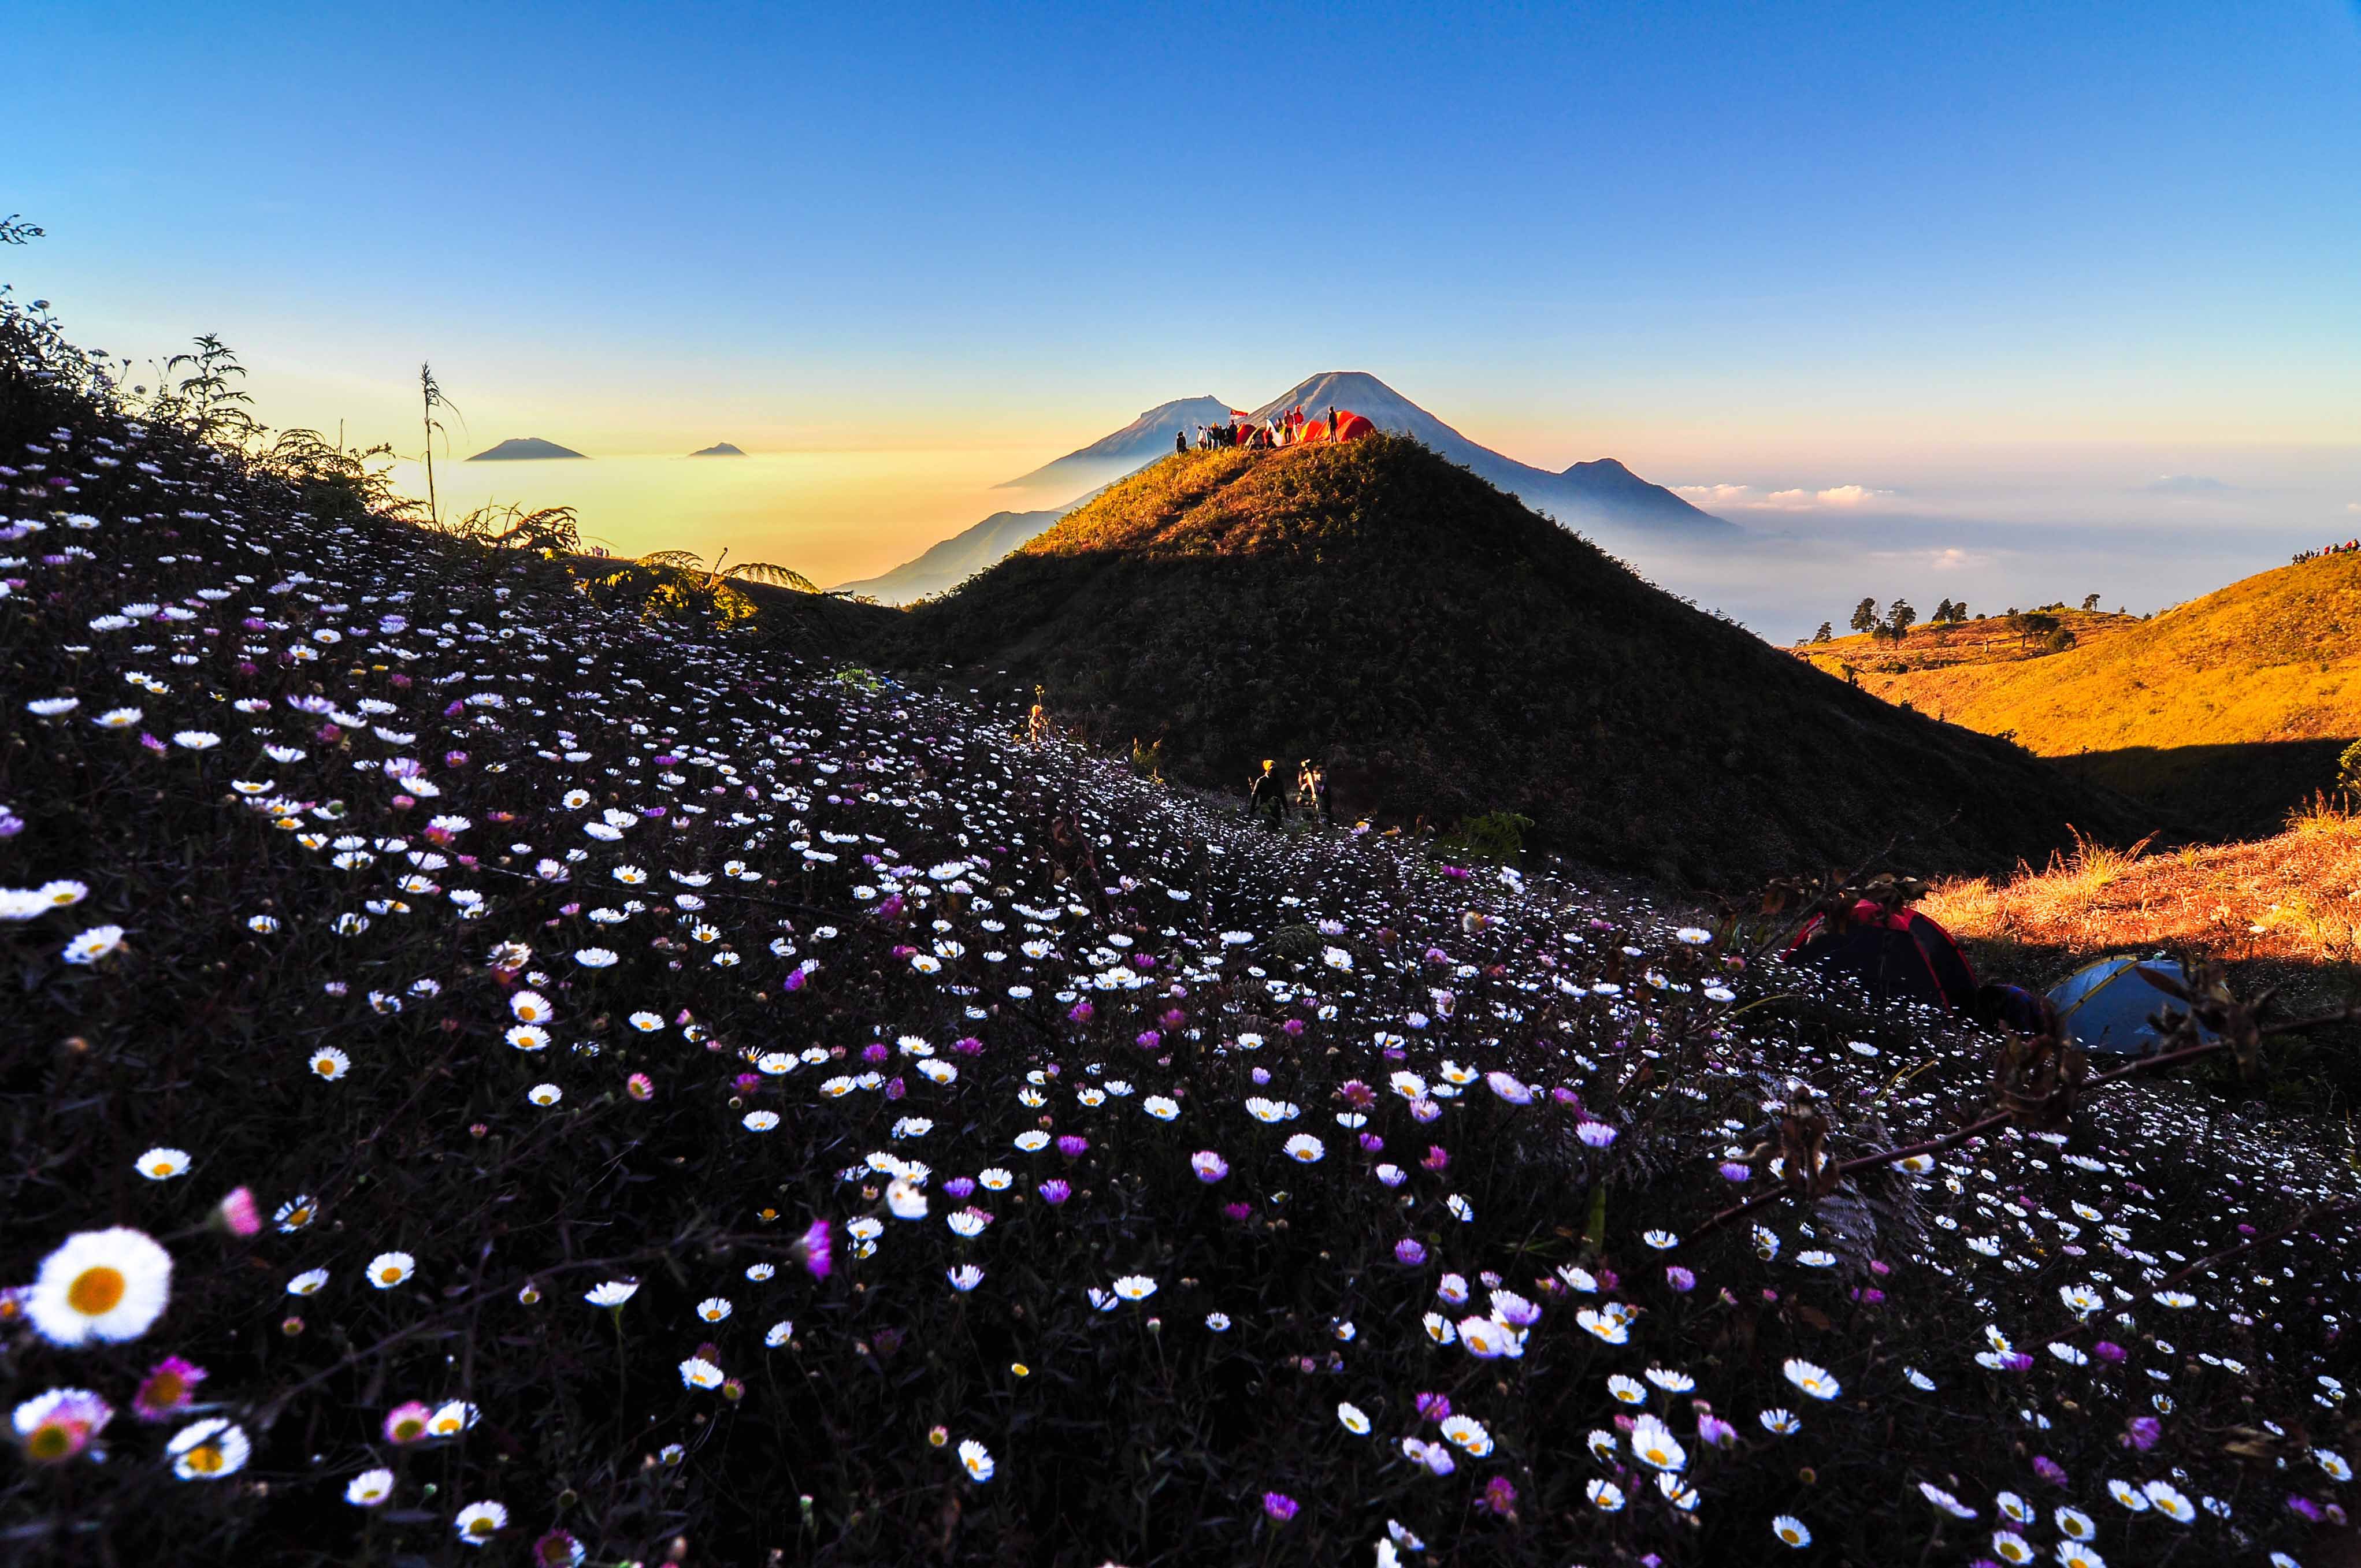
(406, 1424)
(1210, 1167)
(168, 1389)
(237, 1213)
(818, 1250)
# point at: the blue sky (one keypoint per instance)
(1778, 245)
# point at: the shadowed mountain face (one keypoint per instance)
(1448, 652)
(718, 449)
(521, 449)
(1141, 442)
(958, 558)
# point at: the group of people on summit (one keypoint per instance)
(2350, 547)
(1279, 430)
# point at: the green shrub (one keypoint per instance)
(1491, 835)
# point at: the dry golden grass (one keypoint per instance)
(2291, 899)
(2274, 657)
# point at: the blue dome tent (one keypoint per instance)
(2105, 1006)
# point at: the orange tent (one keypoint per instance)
(1313, 433)
(1351, 426)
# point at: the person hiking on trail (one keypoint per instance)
(1321, 800)
(1303, 785)
(1332, 422)
(1265, 793)
(1038, 726)
(1179, 440)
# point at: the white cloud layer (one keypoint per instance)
(1837, 497)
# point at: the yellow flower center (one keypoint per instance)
(205, 1458)
(390, 1275)
(162, 1167)
(165, 1390)
(480, 1527)
(408, 1431)
(95, 1291)
(50, 1441)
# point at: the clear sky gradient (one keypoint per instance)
(1986, 263)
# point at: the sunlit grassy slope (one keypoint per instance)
(2270, 665)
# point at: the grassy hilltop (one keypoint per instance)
(1452, 653)
(2228, 710)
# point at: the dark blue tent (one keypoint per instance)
(2106, 1007)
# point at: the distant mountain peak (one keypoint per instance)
(718, 449)
(1141, 442)
(523, 449)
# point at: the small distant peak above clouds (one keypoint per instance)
(2187, 484)
(522, 449)
(1840, 498)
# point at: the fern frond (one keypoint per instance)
(781, 576)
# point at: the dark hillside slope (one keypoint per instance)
(1452, 653)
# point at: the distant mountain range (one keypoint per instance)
(1602, 497)
(1110, 457)
(521, 449)
(958, 558)
(718, 449)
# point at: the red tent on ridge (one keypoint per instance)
(1351, 426)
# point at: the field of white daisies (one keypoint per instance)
(487, 1079)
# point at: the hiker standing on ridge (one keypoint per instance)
(1266, 791)
(1321, 801)
(1179, 440)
